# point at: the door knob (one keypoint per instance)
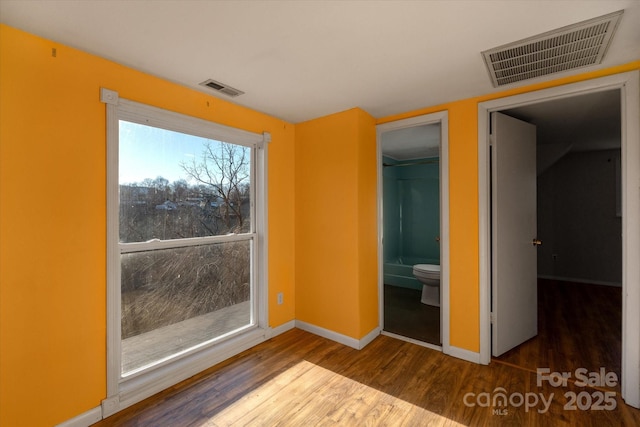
(537, 242)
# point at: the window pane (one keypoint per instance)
(175, 299)
(174, 185)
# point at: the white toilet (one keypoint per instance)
(429, 276)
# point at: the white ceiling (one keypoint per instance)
(299, 60)
(587, 122)
(415, 142)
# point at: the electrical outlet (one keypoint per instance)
(280, 298)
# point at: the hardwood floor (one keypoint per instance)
(579, 326)
(300, 379)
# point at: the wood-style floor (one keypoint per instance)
(300, 379)
(579, 326)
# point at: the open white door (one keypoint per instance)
(514, 240)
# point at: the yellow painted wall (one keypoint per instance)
(367, 225)
(322, 230)
(52, 219)
(336, 266)
(463, 193)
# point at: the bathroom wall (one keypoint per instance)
(577, 219)
(390, 211)
(412, 212)
(420, 201)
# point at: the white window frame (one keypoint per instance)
(124, 391)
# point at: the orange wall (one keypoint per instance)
(367, 225)
(52, 219)
(463, 193)
(336, 267)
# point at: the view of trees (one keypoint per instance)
(218, 202)
(162, 287)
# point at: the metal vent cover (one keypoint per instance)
(222, 88)
(575, 46)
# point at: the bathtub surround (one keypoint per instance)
(411, 218)
(399, 272)
(411, 234)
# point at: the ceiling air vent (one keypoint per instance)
(566, 48)
(222, 88)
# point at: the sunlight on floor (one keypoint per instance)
(307, 394)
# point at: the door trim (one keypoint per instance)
(629, 85)
(441, 117)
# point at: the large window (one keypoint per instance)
(181, 285)
(185, 239)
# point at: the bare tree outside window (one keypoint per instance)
(185, 238)
(223, 171)
(165, 287)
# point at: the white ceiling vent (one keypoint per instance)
(222, 88)
(566, 48)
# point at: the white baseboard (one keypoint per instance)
(577, 280)
(461, 353)
(326, 333)
(366, 340)
(274, 332)
(337, 337)
(85, 419)
(112, 405)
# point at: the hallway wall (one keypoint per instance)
(577, 220)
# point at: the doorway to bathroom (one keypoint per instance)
(413, 229)
(585, 175)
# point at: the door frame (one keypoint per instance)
(629, 85)
(442, 118)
